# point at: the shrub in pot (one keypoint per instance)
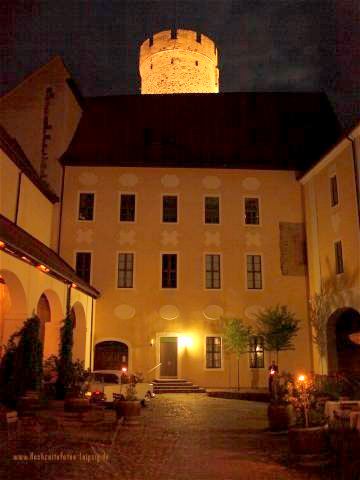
(128, 405)
(281, 414)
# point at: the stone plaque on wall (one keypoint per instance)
(292, 248)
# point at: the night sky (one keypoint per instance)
(264, 45)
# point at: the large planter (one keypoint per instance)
(77, 405)
(309, 446)
(29, 402)
(280, 416)
(130, 410)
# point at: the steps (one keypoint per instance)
(170, 385)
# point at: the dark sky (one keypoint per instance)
(264, 45)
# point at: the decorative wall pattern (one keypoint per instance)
(88, 179)
(127, 236)
(292, 248)
(211, 182)
(124, 312)
(128, 179)
(169, 312)
(251, 183)
(84, 235)
(251, 311)
(170, 181)
(213, 312)
(169, 238)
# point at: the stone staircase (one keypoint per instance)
(175, 385)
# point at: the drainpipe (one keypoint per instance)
(68, 299)
(18, 198)
(356, 161)
(91, 331)
(61, 209)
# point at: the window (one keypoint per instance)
(334, 191)
(339, 264)
(86, 206)
(212, 210)
(256, 345)
(127, 207)
(125, 270)
(252, 211)
(169, 208)
(213, 352)
(83, 265)
(212, 271)
(169, 270)
(254, 280)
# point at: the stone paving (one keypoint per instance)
(180, 437)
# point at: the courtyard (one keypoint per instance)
(180, 437)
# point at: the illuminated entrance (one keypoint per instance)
(111, 355)
(168, 357)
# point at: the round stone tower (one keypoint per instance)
(179, 61)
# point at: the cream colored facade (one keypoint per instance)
(139, 316)
(327, 224)
(22, 283)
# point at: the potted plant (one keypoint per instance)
(236, 340)
(127, 405)
(308, 439)
(281, 414)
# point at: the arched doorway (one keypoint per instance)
(79, 324)
(44, 314)
(111, 355)
(13, 305)
(343, 341)
(50, 312)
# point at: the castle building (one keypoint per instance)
(181, 209)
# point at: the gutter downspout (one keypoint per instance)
(356, 161)
(61, 209)
(91, 332)
(18, 198)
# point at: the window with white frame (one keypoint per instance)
(339, 263)
(169, 270)
(170, 206)
(212, 273)
(334, 191)
(213, 352)
(254, 273)
(86, 206)
(125, 270)
(252, 215)
(212, 210)
(127, 207)
(256, 350)
(83, 265)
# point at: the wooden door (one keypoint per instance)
(168, 357)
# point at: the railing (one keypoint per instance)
(153, 369)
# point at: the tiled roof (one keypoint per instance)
(13, 150)
(228, 130)
(18, 241)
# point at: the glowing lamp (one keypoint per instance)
(185, 342)
(43, 268)
(74, 285)
(25, 259)
(272, 372)
(301, 378)
(2, 244)
(124, 369)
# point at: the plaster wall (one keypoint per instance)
(9, 178)
(325, 225)
(136, 315)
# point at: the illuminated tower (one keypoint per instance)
(179, 61)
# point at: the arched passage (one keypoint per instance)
(79, 324)
(50, 312)
(343, 347)
(111, 355)
(13, 305)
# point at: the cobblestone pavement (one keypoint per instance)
(180, 437)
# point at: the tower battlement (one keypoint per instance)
(179, 61)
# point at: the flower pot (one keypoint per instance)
(76, 405)
(309, 446)
(130, 410)
(29, 402)
(280, 416)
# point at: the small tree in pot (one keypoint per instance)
(236, 340)
(127, 404)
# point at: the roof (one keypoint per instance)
(227, 130)
(13, 150)
(20, 243)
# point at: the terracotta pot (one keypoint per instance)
(29, 402)
(281, 417)
(77, 405)
(129, 409)
(308, 441)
